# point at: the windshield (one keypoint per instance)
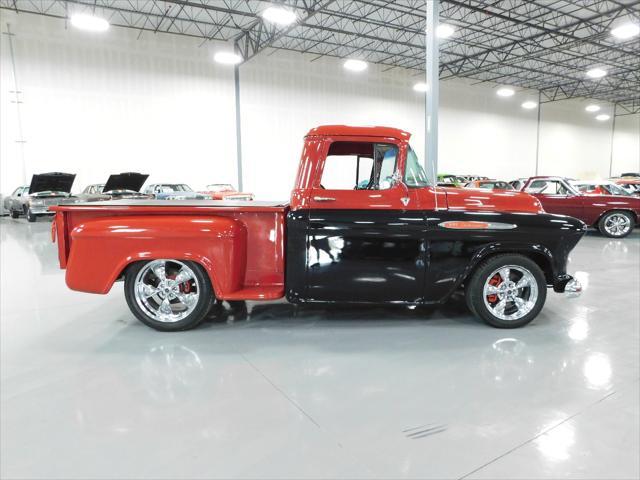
(220, 187)
(179, 187)
(414, 175)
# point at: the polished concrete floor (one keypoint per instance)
(271, 392)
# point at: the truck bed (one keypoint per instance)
(261, 243)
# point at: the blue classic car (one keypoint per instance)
(173, 191)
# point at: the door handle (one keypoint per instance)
(324, 199)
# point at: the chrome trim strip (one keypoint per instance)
(479, 225)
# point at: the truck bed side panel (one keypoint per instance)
(241, 250)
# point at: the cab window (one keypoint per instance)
(548, 187)
(414, 175)
(359, 166)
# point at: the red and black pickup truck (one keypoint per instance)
(363, 225)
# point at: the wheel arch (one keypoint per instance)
(539, 254)
(621, 209)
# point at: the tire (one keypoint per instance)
(531, 295)
(616, 224)
(14, 214)
(141, 282)
(31, 217)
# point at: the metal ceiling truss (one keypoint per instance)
(543, 45)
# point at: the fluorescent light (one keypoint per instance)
(596, 73)
(227, 58)
(420, 87)
(529, 104)
(355, 65)
(279, 15)
(625, 31)
(592, 108)
(602, 117)
(505, 92)
(92, 23)
(444, 30)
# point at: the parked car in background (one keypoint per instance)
(629, 184)
(119, 186)
(489, 185)
(599, 187)
(225, 191)
(451, 180)
(45, 190)
(631, 174)
(614, 215)
(174, 191)
(518, 183)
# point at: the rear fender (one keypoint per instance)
(101, 249)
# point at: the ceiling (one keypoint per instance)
(546, 45)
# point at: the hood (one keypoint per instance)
(491, 200)
(53, 181)
(125, 181)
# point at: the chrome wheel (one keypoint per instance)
(510, 292)
(617, 224)
(166, 290)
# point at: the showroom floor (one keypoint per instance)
(89, 392)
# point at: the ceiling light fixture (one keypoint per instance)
(505, 92)
(227, 58)
(444, 30)
(596, 73)
(280, 16)
(92, 23)
(420, 87)
(626, 31)
(602, 117)
(529, 104)
(355, 65)
(592, 108)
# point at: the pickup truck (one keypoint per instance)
(363, 225)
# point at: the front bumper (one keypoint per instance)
(568, 285)
(40, 209)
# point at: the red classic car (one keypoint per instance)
(614, 215)
(225, 191)
(363, 225)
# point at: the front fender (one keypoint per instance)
(102, 248)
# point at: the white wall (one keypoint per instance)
(96, 104)
(101, 103)
(285, 94)
(626, 144)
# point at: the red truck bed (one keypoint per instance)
(254, 232)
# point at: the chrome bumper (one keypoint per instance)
(573, 288)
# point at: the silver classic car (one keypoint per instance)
(45, 190)
(125, 185)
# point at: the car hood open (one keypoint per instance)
(125, 181)
(53, 181)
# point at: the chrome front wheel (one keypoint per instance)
(168, 294)
(507, 291)
(510, 292)
(616, 224)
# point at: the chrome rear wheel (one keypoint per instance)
(168, 294)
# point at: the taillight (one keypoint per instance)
(53, 228)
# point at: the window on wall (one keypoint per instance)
(359, 166)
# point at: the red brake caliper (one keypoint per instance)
(495, 281)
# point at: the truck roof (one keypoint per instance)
(346, 130)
